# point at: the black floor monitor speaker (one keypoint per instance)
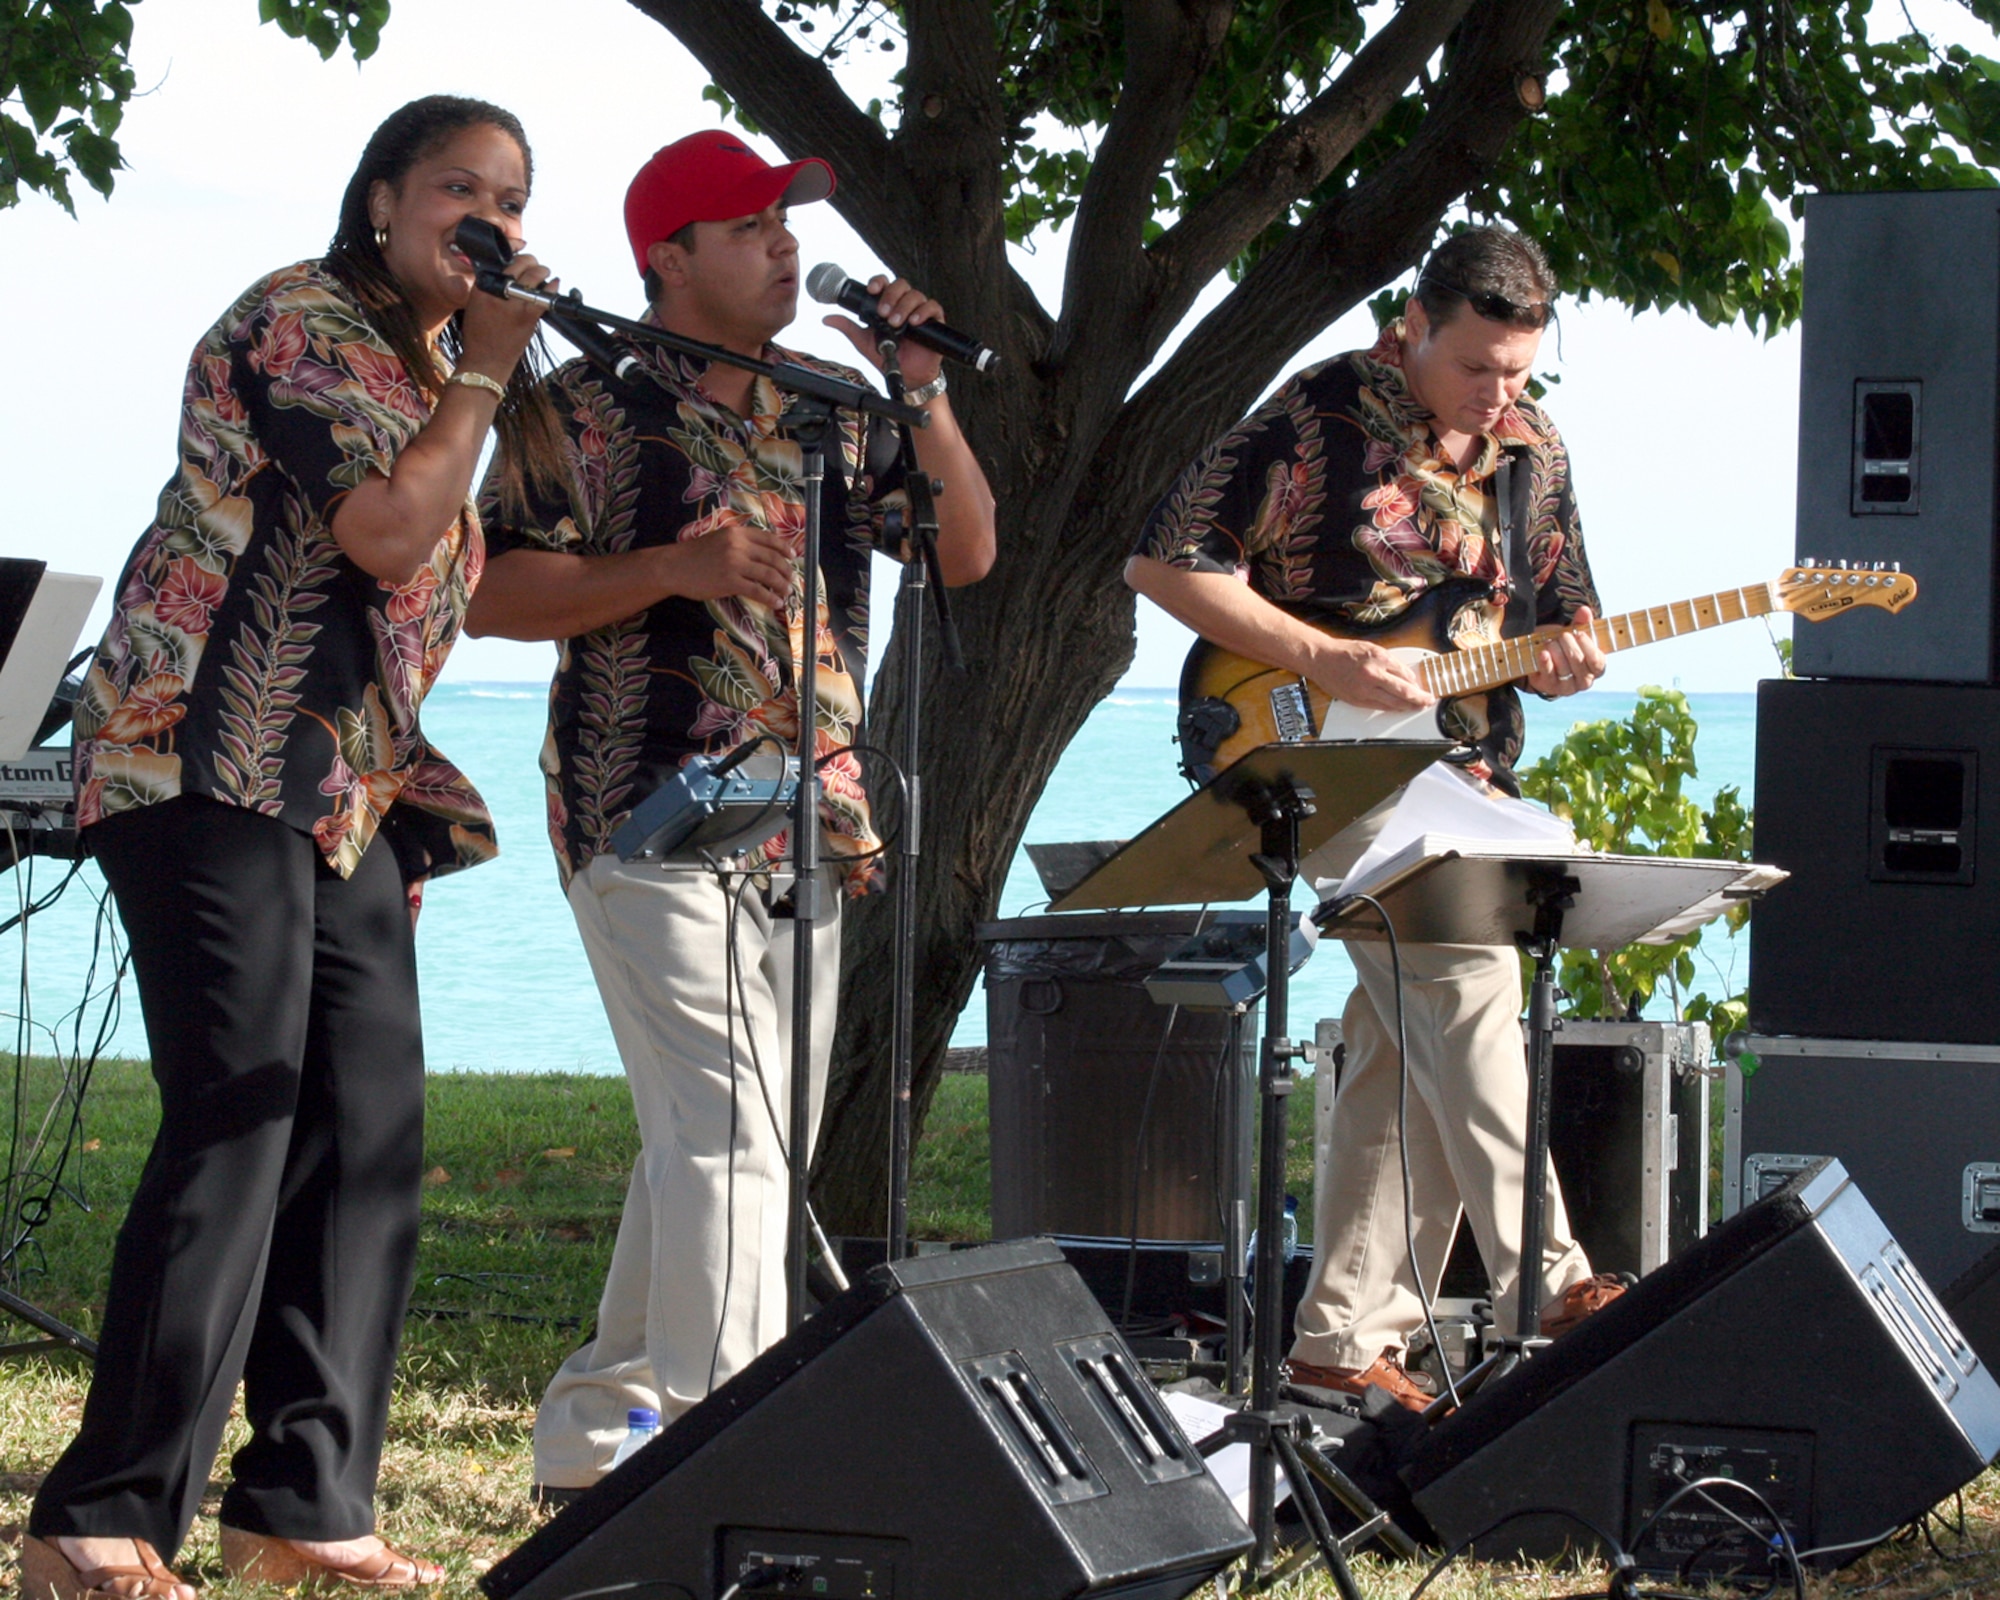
(1898, 413)
(959, 1427)
(1794, 1349)
(1882, 800)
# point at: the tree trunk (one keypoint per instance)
(1076, 459)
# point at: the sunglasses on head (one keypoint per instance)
(1497, 307)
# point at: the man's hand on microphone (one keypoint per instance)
(740, 561)
(900, 305)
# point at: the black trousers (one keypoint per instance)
(274, 1230)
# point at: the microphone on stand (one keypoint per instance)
(827, 284)
(489, 252)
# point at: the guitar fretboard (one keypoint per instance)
(1487, 666)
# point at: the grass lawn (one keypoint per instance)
(526, 1179)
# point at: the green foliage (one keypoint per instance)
(1672, 129)
(1675, 132)
(323, 24)
(1621, 786)
(62, 68)
(66, 73)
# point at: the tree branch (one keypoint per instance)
(1170, 45)
(1296, 159)
(798, 100)
(921, 200)
(1330, 262)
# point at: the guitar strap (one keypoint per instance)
(1512, 481)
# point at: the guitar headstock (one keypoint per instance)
(1817, 593)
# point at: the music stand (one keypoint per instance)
(1465, 892)
(1247, 830)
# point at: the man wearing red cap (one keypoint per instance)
(670, 575)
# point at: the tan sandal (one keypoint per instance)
(48, 1574)
(264, 1558)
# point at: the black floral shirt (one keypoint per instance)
(248, 659)
(1334, 501)
(633, 701)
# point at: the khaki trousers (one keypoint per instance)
(1467, 1139)
(696, 1288)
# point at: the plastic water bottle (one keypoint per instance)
(1288, 1238)
(641, 1423)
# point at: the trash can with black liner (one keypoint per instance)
(1073, 1046)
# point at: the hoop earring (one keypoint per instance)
(382, 239)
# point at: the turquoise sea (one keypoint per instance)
(505, 984)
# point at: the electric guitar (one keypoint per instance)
(1230, 704)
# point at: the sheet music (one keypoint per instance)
(1229, 1466)
(1442, 808)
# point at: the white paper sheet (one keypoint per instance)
(1443, 802)
(1229, 1466)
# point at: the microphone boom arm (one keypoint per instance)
(786, 375)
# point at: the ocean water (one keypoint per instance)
(505, 983)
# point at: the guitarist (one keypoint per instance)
(1413, 475)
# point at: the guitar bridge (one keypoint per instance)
(1291, 713)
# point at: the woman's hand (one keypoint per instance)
(389, 527)
(497, 329)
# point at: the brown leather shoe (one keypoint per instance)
(1581, 1299)
(261, 1558)
(1384, 1372)
(48, 1574)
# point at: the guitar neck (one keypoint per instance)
(1488, 666)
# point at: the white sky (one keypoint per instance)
(1683, 437)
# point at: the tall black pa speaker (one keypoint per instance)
(1898, 413)
(1794, 1350)
(952, 1428)
(1882, 800)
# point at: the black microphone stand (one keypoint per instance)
(919, 555)
(816, 397)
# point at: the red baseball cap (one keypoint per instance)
(712, 176)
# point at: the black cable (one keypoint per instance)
(77, 1072)
(1621, 1561)
(772, 802)
(627, 1586)
(731, 975)
(1403, 1154)
(778, 1125)
(1779, 1541)
(1138, 1165)
(902, 789)
(23, 1212)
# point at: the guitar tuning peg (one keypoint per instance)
(1807, 561)
(1895, 566)
(1841, 563)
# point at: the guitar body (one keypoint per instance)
(1230, 705)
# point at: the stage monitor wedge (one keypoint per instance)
(957, 1427)
(1795, 1348)
(1899, 410)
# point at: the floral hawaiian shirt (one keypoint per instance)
(248, 659)
(633, 701)
(1334, 501)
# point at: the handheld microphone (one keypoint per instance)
(827, 284)
(489, 252)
